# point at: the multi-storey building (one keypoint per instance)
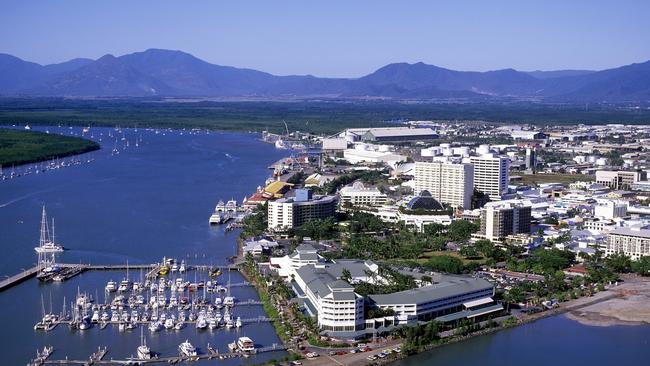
(357, 195)
(503, 218)
(449, 295)
(620, 179)
(633, 242)
(491, 174)
(451, 184)
(291, 212)
(531, 160)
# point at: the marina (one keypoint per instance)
(109, 213)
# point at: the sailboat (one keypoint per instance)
(144, 352)
(46, 242)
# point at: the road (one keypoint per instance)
(349, 359)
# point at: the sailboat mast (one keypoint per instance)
(41, 241)
(53, 241)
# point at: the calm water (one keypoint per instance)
(551, 341)
(147, 202)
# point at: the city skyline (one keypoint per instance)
(337, 39)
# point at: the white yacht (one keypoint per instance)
(155, 326)
(212, 323)
(238, 323)
(95, 317)
(111, 286)
(46, 242)
(182, 268)
(245, 344)
(125, 285)
(201, 323)
(144, 352)
(187, 349)
(229, 301)
(169, 323)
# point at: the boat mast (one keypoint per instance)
(53, 241)
(41, 241)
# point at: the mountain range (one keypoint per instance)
(167, 73)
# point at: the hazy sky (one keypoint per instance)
(337, 38)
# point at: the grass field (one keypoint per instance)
(22, 147)
(530, 179)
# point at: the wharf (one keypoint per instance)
(211, 354)
(71, 270)
(20, 277)
(103, 325)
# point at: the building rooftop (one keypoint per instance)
(642, 233)
(452, 286)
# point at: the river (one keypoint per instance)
(144, 203)
(550, 341)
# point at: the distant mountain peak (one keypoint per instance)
(165, 72)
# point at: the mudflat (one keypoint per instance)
(632, 307)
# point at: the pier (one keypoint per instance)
(20, 277)
(209, 355)
(70, 270)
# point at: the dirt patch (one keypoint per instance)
(631, 308)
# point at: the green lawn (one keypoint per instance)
(22, 147)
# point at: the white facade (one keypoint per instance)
(608, 209)
(365, 153)
(359, 195)
(633, 242)
(287, 213)
(491, 174)
(450, 184)
(333, 144)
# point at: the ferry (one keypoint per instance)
(46, 242)
(245, 344)
(187, 349)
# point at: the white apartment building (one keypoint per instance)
(609, 209)
(633, 242)
(451, 184)
(287, 213)
(334, 302)
(491, 174)
(357, 195)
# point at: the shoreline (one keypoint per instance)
(88, 145)
(614, 297)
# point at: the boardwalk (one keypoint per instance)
(20, 277)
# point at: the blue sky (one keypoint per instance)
(337, 38)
